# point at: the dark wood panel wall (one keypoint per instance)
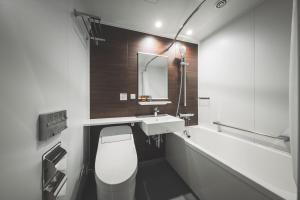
(113, 70)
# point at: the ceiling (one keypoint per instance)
(141, 15)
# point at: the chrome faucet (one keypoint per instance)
(186, 132)
(156, 110)
(187, 119)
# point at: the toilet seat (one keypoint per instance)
(116, 159)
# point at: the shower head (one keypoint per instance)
(182, 51)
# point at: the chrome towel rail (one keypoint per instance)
(92, 24)
(280, 137)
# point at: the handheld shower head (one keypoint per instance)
(182, 51)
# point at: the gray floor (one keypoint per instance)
(154, 181)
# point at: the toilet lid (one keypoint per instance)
(116, 159)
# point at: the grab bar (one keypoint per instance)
(280, 137)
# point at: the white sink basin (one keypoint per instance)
(161, 124)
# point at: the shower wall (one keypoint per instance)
(243, 68)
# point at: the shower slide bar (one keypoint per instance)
(280, 137)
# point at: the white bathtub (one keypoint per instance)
(218, 166)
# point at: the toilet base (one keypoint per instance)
(123, 191)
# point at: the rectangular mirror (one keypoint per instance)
(153, 75)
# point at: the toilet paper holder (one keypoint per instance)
(54, 176)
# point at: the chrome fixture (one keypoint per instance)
(221, 3)
(186, 133)
(182, 51)
(92, 25)
(156, 111)
(187, 119)
(280, 137)
(204, 98)
(183, 65)
(156, 139)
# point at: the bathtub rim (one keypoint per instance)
(269, 148)
(255, 183)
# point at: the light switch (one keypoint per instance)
(132, 96)
(123, 96)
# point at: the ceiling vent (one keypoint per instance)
(221, 3)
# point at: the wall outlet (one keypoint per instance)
(123, 96)
(132, 96)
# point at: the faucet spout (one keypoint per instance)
(156, 111)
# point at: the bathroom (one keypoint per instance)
(149, 99)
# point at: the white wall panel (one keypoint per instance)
(225, 67)
(272, 48)
(44, 68)
(243, 68)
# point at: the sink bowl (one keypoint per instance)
(161, 124)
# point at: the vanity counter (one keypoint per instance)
(113, 120)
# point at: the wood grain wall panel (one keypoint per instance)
(114, 70)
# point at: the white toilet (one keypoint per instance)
(116, 164)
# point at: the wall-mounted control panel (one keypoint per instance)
(51, 124)
(54, 173)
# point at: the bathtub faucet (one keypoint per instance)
(187, 119)
(186, 133)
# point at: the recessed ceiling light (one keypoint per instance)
(189, 32)
(158, 24)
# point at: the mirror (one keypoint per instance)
(153, 76)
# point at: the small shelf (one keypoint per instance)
(53, 172)
(153, 103)
(55, 155)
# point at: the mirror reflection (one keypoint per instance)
(153, 76)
